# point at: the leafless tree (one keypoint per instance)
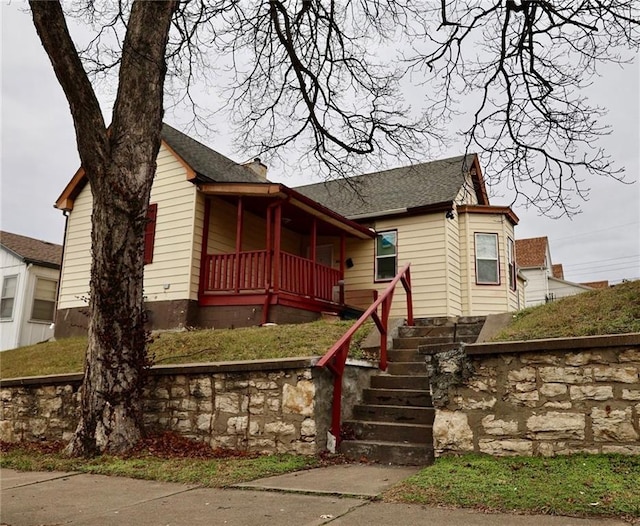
(524, 65)
(323, 76)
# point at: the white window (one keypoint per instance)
(9, 284)
(386, 255)
(44, 300)
(487, 268)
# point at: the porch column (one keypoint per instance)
(343, 252)
(314, 243)
(268, 242)
(238, 245)
(205, 270)
(276, 248)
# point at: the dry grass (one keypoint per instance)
(253, 343)
(615, 310)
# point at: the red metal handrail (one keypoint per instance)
(336, 357)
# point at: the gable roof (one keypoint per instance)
(531, 252)
(32, 250)
(203, 165)
(208, 164)
(399, 190)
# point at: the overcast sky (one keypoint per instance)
(39, 157)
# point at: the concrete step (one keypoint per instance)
(394, 413)
(436, 348)
(397, 453)
(434, 322)
(413, 343)
(404, 355)
(387, 381)
(456, 331)
(409, 397)
(388, 431)
(407, 368)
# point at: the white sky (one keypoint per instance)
(38, 157)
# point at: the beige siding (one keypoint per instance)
(170, 275)
(453, 267)
(222, 231)
(422, 241)
(76, 264)
(477, 299)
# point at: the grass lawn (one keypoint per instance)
(579, 485)
(615, 310)
(219, 345)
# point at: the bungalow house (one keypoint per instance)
(227, 247)
(545, 280)
(29, 272)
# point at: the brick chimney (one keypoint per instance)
(256, 166)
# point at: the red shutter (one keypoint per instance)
(150, 233)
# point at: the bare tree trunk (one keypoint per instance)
(120, 165)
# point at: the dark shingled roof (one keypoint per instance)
(32, 250)
(402, 188)
(210, 165)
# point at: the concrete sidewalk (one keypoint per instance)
(337, 495)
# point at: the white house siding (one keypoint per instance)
(35, 331)
(421, 242)
(10, 328)
(561, 288)
(20, 330)
(477, 299)
(537, 287)
(173, 249)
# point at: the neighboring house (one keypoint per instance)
(226, 247)
(545, 280)
(29, 272)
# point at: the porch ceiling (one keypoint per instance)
(298, 212)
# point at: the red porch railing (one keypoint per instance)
(251, 270)
(336, 357)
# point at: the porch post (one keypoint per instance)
(314, 242)
(276, 248)
(343, 253)
(268, 243)
(238, 245)
(205, 270)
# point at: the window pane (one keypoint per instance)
(487, 271)
(386, 244)
(9, 287)
(486, 246)
(43, 310)
(386, 268)
(6, 308)
(46, 289)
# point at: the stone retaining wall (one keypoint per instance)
(278, 406)
(539, 398)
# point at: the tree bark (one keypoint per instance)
(120, 165)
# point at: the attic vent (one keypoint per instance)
(257, 167)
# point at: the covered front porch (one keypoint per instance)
(266, 245)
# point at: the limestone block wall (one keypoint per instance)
(539, 398)
(280, 406)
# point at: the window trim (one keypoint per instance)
(2, 297)
(150, 233)
(511, 264)
(376, 279)
(32, 319)
(497, 258)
